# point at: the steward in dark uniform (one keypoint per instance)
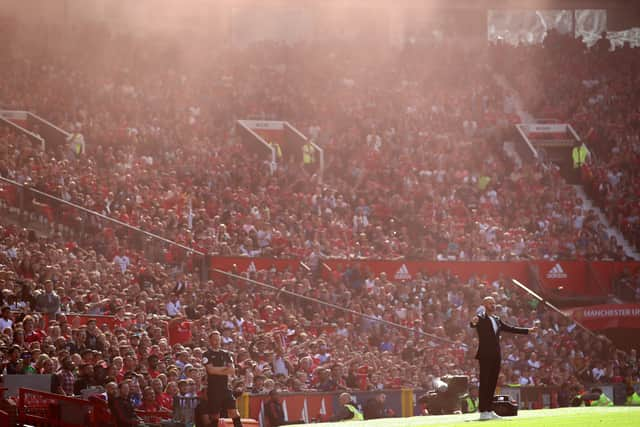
(219, 365)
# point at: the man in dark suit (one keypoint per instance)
(48, 302)
(489, 327)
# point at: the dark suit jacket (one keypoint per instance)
(274, 412)
(123, 412)
(489, 345)
(48, 303)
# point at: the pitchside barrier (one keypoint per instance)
(42, 408)
(311, 406)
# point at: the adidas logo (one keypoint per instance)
(251, 268)
(402, 273)
(556, 272)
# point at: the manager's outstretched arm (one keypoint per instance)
(517, 330)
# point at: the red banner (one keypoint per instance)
(248, 265)
(566, 277)
(610, 316)
(76, 320)
(406, 270)
(594, 278)
(606, 272)
(398, 270)
(558, 277)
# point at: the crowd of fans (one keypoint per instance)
(412, 171)
(593, 90)
(402, 136)
(158, 336)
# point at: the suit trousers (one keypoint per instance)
(489, 371)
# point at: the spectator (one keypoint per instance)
(84, 380)
(5, 320)
(150, 404)
(13, 366)
(374, 408)
(274, 411)
(346, 410)
(48, 302)
(163, 398)
(174, 308)
(122, 409)
(66, 377)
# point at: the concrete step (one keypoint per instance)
(629, 249)
(509, 148)
(513, 99)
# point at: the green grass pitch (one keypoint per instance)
(617, 416)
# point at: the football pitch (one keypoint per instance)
(618, 416)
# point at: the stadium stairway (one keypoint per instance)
(512, 98)
(629, 250)
(509, 148)
(514, 101)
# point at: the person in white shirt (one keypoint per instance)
(533, 361)
(174, 308)
(5, 320)
(526, 379)
(598, 372)
(122, 262)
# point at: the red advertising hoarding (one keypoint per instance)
(609, 316)
(577, 278)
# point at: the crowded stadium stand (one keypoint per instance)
(336, 204)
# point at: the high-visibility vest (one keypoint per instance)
(471, 405)
(603, 400)
(483, 182)
(579, 155)
(357, 415)
(308, 154)
(77, 141)
(633, 400)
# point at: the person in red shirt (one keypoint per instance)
(30, 333)
(179, 331)
(152, 366)
(150, 404)
(121, 319)
(163, 399)
(129, 365)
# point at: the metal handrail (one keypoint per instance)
(547, 121)
(102, 216)
(27, 132)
